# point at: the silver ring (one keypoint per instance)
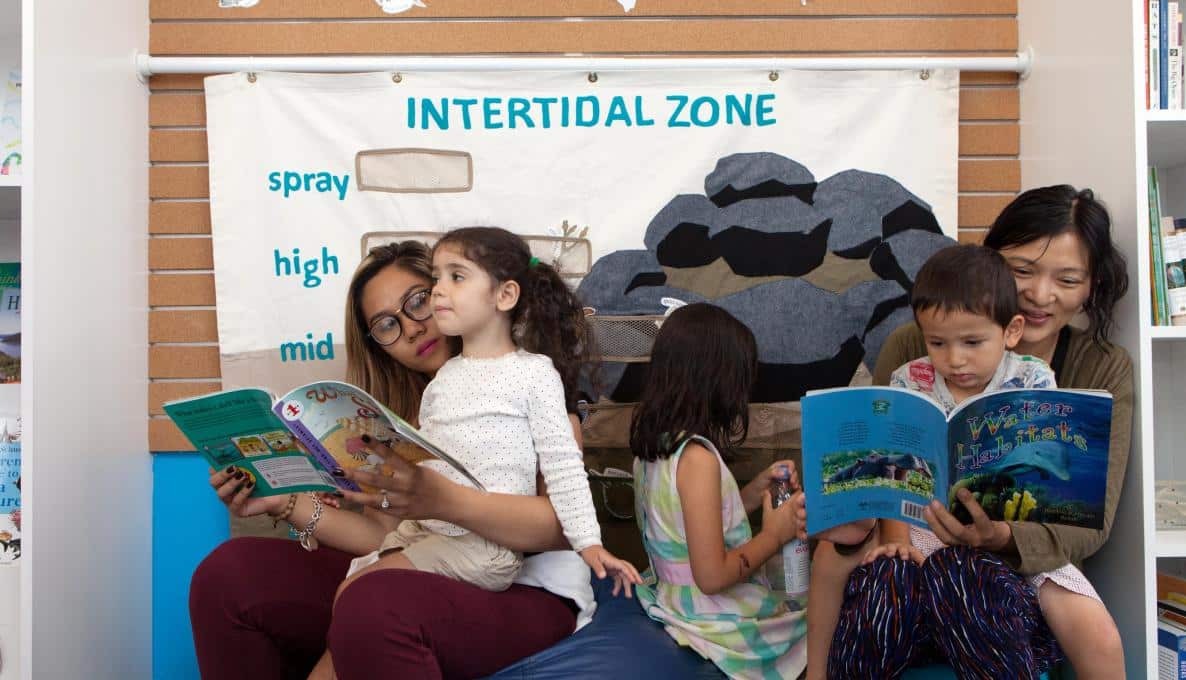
(386, 503)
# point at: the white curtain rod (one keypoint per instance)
(148, 65)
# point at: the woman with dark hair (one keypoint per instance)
(1057, 242)
(260, 608)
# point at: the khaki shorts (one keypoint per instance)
(468, 557)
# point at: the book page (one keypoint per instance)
(871, 452)
(1033, 455)
(331, 417)
(239, 428)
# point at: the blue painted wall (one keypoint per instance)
(188, 521)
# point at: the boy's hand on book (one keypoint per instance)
(981, 533)
(234, 487)
(751, 493)
(786, 522)
(603, 563)
(902, 551)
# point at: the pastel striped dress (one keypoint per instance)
(746, 630)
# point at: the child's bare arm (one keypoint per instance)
(698, 481)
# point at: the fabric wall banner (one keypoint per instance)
(802, 202)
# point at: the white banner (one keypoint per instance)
(804, 203)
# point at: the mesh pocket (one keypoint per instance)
(625, 339)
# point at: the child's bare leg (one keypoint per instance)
(829, 576)
(1085, 631)
(392, 560)
(324, 670)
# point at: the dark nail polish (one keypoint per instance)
(339, 494)
(239, 474)
(249, 485)
(366, 438)
(230, 469)
(338, 472)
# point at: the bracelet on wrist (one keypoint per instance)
(277, 519)
(305, 536)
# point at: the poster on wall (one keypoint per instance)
(802, 202)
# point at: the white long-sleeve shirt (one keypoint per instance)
(501, 417)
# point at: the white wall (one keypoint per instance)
(88, 484)
(1077, 127)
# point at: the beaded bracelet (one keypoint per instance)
(307, 539)
(277, 519)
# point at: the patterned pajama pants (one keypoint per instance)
(963, 606)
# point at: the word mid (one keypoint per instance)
(309, 350)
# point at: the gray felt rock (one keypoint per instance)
(858, 201)
(605, 286)
(793, 321)
(875, 337)
(910, 249)
(755, 175)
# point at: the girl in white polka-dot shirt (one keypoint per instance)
(500, 407)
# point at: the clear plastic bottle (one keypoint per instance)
(795, 562)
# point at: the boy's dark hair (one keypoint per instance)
(967, 278)
(1046, 212)
(702, 369)
(549, 318)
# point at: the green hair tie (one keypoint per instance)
(532, 263)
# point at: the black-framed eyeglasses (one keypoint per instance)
(386, 329)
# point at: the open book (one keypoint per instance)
(1026, 455)
(292, 443)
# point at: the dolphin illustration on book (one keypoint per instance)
(1047, 458)
(877, 464)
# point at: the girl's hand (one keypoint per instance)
(751, 493)
(412, 491)
(981, 533)
(903, 551)
(602, 562)
(234, 486)
(786, 522)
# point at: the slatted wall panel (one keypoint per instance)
(183, 359)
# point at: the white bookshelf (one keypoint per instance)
(1159, 141)
(1080, 125)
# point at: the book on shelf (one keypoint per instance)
(1157, 263)
(295, 442)
(1174, 59)
(1153, 65)
(1024, 454)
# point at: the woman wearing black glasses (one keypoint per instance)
(261, 608)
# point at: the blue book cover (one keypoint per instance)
(1026, 455)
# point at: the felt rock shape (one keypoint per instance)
(859, 202)
(758, 175)
(820, 271)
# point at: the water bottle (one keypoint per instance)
(796, 555)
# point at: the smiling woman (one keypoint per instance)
(1057, 243)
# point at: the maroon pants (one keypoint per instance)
(261, 608)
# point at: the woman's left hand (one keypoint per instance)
(411, 491)
(982, 533)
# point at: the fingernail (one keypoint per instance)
(239, 474)
(338, 472)
(366, 438)
(250, 485)
(230, 469)
(339, 494)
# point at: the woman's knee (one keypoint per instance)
(221, 572)
(386, 600)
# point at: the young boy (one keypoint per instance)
(965, 304)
